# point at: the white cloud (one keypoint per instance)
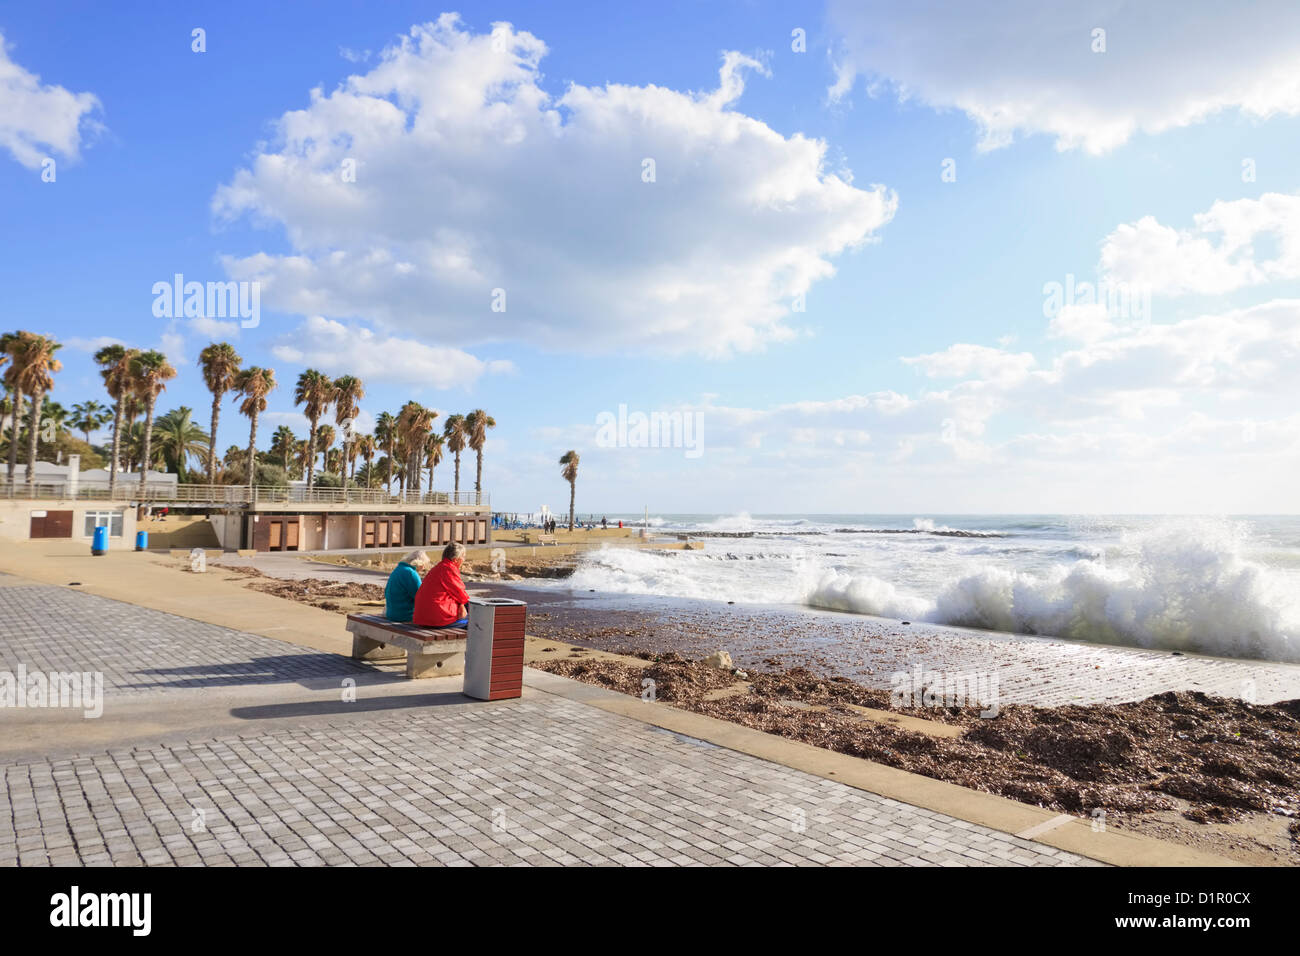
(1027, 66)
(91, 345)
(337, 349)
(1227, 248)
(962, 361)
(1084, 323)
(470, 178)
(213, 328)
(36, 119)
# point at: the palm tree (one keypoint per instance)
(8, 409)
(324, 443)
(283, 445)
(88, 416)
(132, 402)
(313, 393)
(415, 422)
(348, 390)
(254, 384)
(234, 459)
(114, 363)
(6, 406)
(220, 363)
(302, 454)
(433, 446)
(15, 351)
(178, 437)
(477, 423)
(570, 474)
(365, 447)
(369, 476)
(453, 430)
(33, 367)
(150, 371)
(386, 440)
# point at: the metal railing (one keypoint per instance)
(161, 493)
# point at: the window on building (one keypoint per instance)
(99, 519)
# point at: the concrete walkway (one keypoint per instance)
(234, 730)
(281, 769)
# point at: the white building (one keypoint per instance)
(67, 479)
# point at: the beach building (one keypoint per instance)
(67, 503)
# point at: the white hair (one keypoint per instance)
(417, 557)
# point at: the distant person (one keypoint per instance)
(442, 601)
(403, 583)
(604, 524)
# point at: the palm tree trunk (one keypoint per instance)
(478, 476)
(115, 456)
(573, 490)
(128, 423)
(252, 448)
(146, 443)
(13, 434)
(457, 472)
(212, 439)
(388, 485)
(33, 433)
(311, 451)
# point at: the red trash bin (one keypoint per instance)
(494, 655)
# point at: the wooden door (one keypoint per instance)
(276, 539)
(291, 530)
(395, 535)
(51, 524)
(368, 533)
(381, 533)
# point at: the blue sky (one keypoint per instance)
(923, 375)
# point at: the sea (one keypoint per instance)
(1226, 586)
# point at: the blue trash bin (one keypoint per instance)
(141, 540)
(99, 543)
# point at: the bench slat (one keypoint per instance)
(373, 622)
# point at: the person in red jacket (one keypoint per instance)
(441, 600)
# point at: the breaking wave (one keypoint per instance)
(1185, 586)
(1172, 589)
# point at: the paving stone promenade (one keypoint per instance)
(432, 779)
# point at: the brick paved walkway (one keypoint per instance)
(539, 780)
(138, 650)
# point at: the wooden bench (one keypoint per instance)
(546, 539)
(429, 652)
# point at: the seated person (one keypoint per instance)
(403, 583)
(441, 600)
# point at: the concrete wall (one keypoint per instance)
(180, 531)
(343, 531)
(16, 519)
(312, 534)
(227, 527)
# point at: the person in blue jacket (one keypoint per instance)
(399, 593)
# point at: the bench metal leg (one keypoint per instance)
(419, 666)
(369, 649)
